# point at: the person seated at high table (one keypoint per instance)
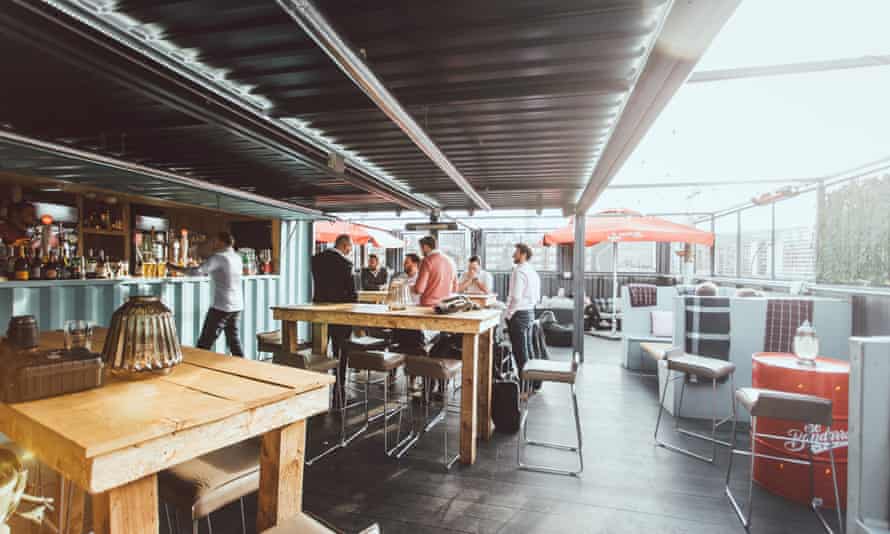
(333, 282)
(224, 267)
(374, 277)
(475, 280)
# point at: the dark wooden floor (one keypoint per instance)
(628, 485)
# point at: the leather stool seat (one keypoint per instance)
(435, 368)
(701, 366)
(549, 371)
(376, 360)
(207, 483)
(306, 359)
(367, 343)
(269, 341)
(786, 406)
(301, 524)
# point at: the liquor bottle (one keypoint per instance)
(92, 263)
(36, 267)
(101, 267)
(9, 266)
(3, 252)
(22, 269)
(64, 266)
(51, 267)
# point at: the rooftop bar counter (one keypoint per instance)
(53, 302)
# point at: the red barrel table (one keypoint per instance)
(828, 378)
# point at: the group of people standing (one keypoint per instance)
(430, 279)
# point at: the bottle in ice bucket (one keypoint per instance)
(806, 344)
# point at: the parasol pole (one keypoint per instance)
(614, 287)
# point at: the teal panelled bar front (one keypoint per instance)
(54, 302)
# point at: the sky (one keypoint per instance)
(780, 127)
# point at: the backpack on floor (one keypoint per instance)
(505, 391)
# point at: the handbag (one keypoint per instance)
(455, 304)
(505, 412)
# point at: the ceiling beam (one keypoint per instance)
(317, 27)
(688, 30)
(106, 50)
(803, 67)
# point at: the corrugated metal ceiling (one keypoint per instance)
(520, 95)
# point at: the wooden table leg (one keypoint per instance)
(281, 475)
(72, 502)
(289, 341)
(129, 509)
(469, 398)
(483, 410)
(320, 338)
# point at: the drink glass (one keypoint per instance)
(78, 335)
(161, 269)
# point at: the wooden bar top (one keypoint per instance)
(377, 315)
(126, 429)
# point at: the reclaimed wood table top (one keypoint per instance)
(127, 429)
(372, 297)
(378, 315)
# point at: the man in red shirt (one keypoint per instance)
(438, 275)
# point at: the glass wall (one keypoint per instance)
(499, 248)
(632, 258)
(756, 253)
(725, 245)
(796, 222)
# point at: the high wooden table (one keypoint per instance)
(112, 441)
(476, 326)
(484, 300)
(372, 297)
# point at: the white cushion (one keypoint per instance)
(662, 323)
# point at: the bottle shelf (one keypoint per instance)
(94, 231)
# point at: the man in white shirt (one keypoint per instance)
(224, 268)
(475, 280)
(525, 292)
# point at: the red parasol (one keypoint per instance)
(327, 232)
(626, 226)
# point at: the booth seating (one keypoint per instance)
(868, 470)
(638, 322)
(832, 319)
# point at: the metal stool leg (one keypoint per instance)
(341, 393)
(414, 436)
(816, 504)
(743, 518)
(523, 440)
(715, 423)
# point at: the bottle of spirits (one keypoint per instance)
(9, 266)
(36, 267)
(22, 269)
(51, 267)
(92, 263)
(101, 265)
(64, 265)
(4, 253)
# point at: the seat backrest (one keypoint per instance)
(707, 326)
(783, 317)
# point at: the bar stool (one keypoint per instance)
(712, 369)
(790, 407)
(205, 484)
(381, 361)
(270, 342)
(444, 370)
(550, 371)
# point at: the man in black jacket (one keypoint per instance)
(374, 276)
(332, 274)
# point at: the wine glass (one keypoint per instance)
(78, 335)
(115, 267)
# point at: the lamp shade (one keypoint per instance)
(142, 339)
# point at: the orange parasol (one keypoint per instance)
(626, 226)
(327, 232)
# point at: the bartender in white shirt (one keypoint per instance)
(224, 268)
(475, 280)
(525, 292)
